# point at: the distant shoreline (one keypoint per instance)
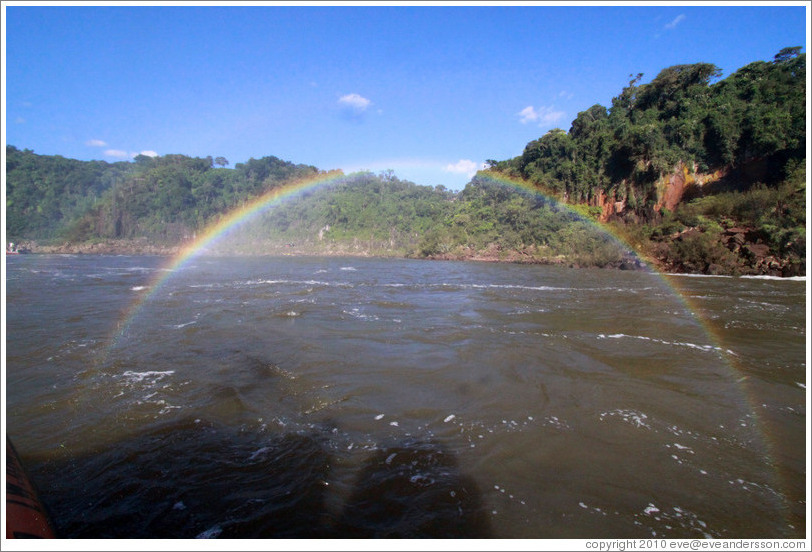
(144, 247)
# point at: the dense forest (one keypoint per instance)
(696, 173)
(384, 216)
(700, 176)
(165, 198)
(756, 114)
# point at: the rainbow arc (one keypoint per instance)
(277, 196)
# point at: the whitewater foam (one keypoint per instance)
(783, 278)
(664, 342)
(137, 377)
(633, 417)
(745, 277)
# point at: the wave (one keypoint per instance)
(357, 313)
(295, 283)
(664, 342)
(513, 286)
(632, 417)
(785, 278)
(152, 376)
(745, 277)
(688, 275)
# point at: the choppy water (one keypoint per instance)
(310, 397)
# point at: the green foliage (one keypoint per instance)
(680, 116)
(703, 252)
(777, 213)
(489, 213)
(687, 117)
(380, 212)
(699, 235)
(165, 199)
(384, 215)
(44, 193)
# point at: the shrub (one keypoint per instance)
(700, 251)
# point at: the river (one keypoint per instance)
(310, 397)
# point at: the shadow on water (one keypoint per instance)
(414, 490)
(193, 479)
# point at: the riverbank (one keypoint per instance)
(107, 247)
(492, 254)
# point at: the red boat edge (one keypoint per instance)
(26, 517)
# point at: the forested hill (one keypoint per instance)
(754, 121)
(697, 174)
(702, 176)
(165, 198)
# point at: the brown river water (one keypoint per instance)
(312, 397)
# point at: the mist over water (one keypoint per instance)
(345, 397)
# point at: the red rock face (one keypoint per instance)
(678, 183)
(609, 205)
(671, 191)
(674, 190)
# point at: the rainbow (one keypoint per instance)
(223, 227)
(276, 196)
(239, 216)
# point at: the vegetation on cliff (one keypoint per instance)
(757, 114)
(701, 176)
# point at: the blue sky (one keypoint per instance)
(428, 91)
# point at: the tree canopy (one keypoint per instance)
(684, 115)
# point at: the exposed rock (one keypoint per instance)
(684, 181)
(675, 185)
(757, 250)
(734, 238)
(631, 264)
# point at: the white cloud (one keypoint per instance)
(19, 120)
(528, 114)
(355, 102)
(676, 21)
(542, 115)
(121, 154)
(96, 143)
(464, 166)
